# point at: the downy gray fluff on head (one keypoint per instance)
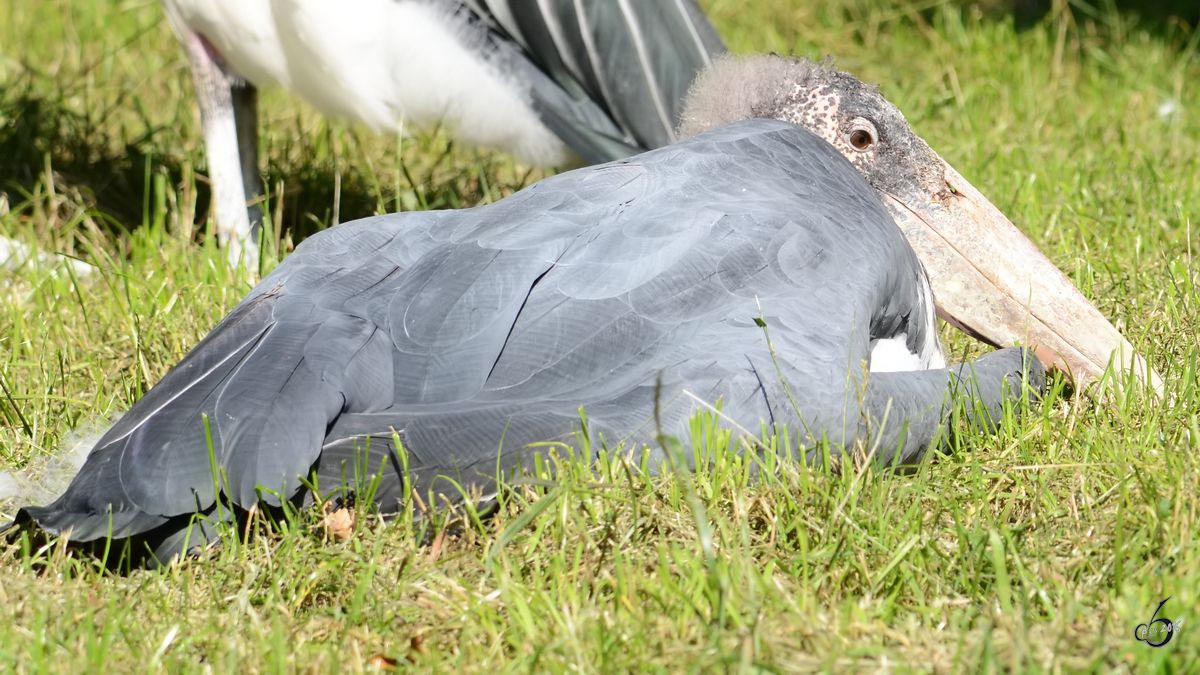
(736, 88)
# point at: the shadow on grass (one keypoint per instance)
(116, 178)
(1161, 17)
(35, 130)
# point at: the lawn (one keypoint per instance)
(1038, 550)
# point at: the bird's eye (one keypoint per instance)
(861, 139)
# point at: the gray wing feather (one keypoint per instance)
(560, 101)
(649, 55)
(581, 125)
(708, 41)
(611, 75)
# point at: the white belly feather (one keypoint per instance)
(892, 355)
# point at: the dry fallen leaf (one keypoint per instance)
(340, 523)
(382, 662)
(417, 644)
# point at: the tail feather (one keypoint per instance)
(156, 459)
(269, 378)
(92, 526)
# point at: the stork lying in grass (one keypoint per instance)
(639, 290)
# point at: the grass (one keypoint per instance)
(1039, 550)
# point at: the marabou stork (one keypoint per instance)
(637, 289)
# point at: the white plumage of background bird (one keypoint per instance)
(552, 82)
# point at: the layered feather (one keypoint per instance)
(635, 59)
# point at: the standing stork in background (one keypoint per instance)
(549, 81)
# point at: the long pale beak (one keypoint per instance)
(993, 283)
